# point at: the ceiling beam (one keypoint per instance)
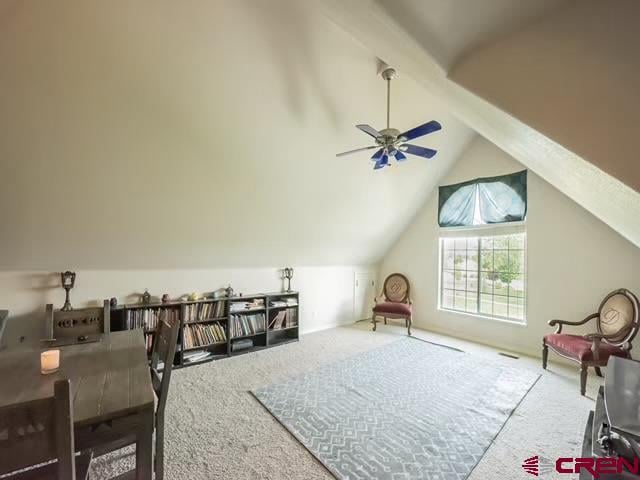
(604, 196)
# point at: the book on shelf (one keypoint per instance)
(284, 302)
(246, 324)
(148, 341)
(197, 356)
(147, 318)
(194, 312)
(253, 304)
(201, 335)
(284, 319)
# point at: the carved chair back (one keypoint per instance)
(396, 288)
(164, 349)
(38, 431)
(81, 322)
(618, 317)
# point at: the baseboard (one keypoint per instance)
(327, 326)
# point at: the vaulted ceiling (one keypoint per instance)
(556, 92)
(159, 134)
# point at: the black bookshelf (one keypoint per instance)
(215, 328)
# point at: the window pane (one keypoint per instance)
(447, 299)
(472, 302)
(460, 243)
(486, 282)
(516, 308)
(460, 279)
(447, 260)
(499, 287)
(460, 300)
(516, 261)
(460, 260)
(472, 260)
(516, 287)
(472, 243)
(486, 260)
(501, 242)
(516, 242)
(500, 307)
(447, 279)
(486, 304)
(501, 260)
(486, 243)
(447, 243)
(472, 281)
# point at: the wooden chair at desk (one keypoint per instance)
(38, 431)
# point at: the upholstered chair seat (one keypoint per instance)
(576, 346)
(392, 308)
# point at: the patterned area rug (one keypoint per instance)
(407, 410)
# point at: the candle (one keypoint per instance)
(49, 361)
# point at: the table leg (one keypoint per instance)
(144, 447)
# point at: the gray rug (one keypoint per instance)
(407, 410)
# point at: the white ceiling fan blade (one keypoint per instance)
(355, 150)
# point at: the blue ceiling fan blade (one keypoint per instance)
(400, 156)
(421, 130)
(369, 130)
(419, 151)
(383, 162)
(377, 155)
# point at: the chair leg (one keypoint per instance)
(409, 326)
(159, 457)
(583, 379)
(373, 320)
(545, 355)
(598, 371)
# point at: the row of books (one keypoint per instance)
(148, 340)
(147, 318)
(197, 356)
(253, 304)
(242, 325)
(204, 311)
(200, 335)
(284, 319)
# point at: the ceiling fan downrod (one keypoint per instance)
(389, 74)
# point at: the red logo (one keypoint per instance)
(539, 466)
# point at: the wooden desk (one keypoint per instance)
(111, 387)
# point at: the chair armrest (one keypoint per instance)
(560, 323)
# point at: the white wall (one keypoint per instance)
(326, 293)
(573, 259)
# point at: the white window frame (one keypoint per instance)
(479, 232)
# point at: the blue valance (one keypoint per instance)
(484, 201)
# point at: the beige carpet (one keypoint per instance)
(217, 430)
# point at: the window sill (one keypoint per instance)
(516, 323)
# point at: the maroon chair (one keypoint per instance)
(394, 301)
(616, 325)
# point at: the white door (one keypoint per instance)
(364, 292)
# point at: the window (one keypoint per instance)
(484, 275)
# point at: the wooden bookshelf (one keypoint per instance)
(271, 319)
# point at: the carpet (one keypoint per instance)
(406, 410)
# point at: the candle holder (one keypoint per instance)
(68, 281)
(49, 361)
(288, 274)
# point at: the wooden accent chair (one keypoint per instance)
(38, 431)
(394, 301)
(77, 326)
(616, 325)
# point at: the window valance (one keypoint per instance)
(484, 201)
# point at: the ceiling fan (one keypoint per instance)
(390, 142)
